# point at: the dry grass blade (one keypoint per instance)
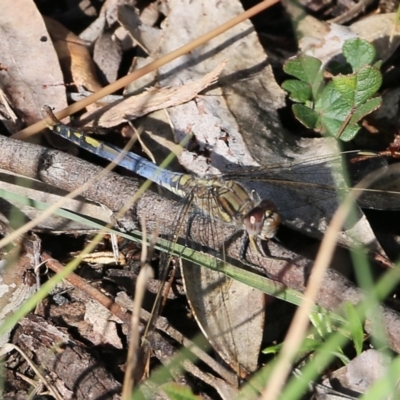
(145, 274)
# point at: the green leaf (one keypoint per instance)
(345, 360)
(360, 86)
(273, 349)
(304, 68)
(358, 52)
(348, 133)
(307, 116)
(345, 85)
(355, 326)
(307, 69)
(364, 109)
(333, 109)
(336, 108)
(299, 91)
(345, 101)
(322, 323)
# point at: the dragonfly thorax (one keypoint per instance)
(262, 221)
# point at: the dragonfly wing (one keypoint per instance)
(229, 313)
(382, 189)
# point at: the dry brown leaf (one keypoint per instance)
(107, 55)
(103, 326)
(144, 36)
(74, 57)
(230, 314)
(151, 100)
(106, 18)
(31, 74)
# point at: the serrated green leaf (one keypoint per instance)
(358, 87)
(305, 68)
(344, 101)
(364, 109)
(330, 112)
(346, 85)
(334, 119)
(358, 53)
(332, 105)
(299, 91)
(348, 133)
(360, 112)
(369, 80)
(307, 116)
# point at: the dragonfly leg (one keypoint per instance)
(249, 241)
(252, 241)
(244, 246)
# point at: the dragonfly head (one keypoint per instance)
(262, 221)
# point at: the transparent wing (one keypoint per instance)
(310, 181)
(307, 193)
(230, 314)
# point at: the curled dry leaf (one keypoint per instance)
(74, 57)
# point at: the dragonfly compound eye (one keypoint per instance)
(262, 221)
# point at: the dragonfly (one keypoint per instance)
(227, 200)
(222, 198)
